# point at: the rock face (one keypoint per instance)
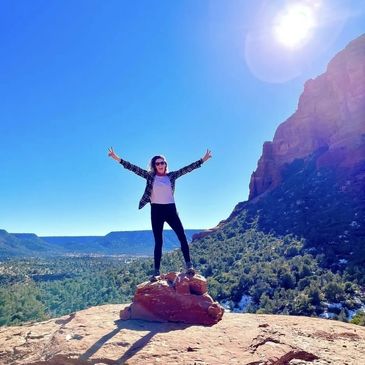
(311, 177)
(97, 336)
(176, 297)
(330, 117)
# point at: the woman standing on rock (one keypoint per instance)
(159, 192)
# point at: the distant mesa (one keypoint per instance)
(23, 244)
(176, 297)
(132, 243)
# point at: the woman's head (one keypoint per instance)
(158, 164)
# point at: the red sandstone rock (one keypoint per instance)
(96, 336)
(330, 114)
(198, 285)
(176, 297)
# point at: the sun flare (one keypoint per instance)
(293, 26)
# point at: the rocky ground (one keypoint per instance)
(97, 336)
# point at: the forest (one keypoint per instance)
(280, 274)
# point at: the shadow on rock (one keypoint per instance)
(153, 327)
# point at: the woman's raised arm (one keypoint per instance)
(137, 170)
(184, 170)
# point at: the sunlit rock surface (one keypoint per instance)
(97, 336)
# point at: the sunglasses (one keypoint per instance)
(160, 163)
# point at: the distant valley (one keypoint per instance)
(139, 243)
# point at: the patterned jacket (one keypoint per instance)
(150, 176)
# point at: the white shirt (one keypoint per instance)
(162, 190)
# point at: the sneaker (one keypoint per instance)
(190, 269)
(155, 276)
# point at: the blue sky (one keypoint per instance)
(161, 77)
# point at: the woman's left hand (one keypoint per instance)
(207, 155)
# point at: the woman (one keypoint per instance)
(159, 192)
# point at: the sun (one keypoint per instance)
(294, 25)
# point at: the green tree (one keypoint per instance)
(359, 318)
(334, 291)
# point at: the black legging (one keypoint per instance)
(161, 213)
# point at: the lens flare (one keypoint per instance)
(294, 25)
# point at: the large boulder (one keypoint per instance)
(175, 297)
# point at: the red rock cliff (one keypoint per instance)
(330, 114)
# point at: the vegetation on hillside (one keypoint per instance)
(298, 250)
(278, 273)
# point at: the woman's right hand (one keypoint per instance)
(113, 155)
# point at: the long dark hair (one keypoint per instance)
(152, 166)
